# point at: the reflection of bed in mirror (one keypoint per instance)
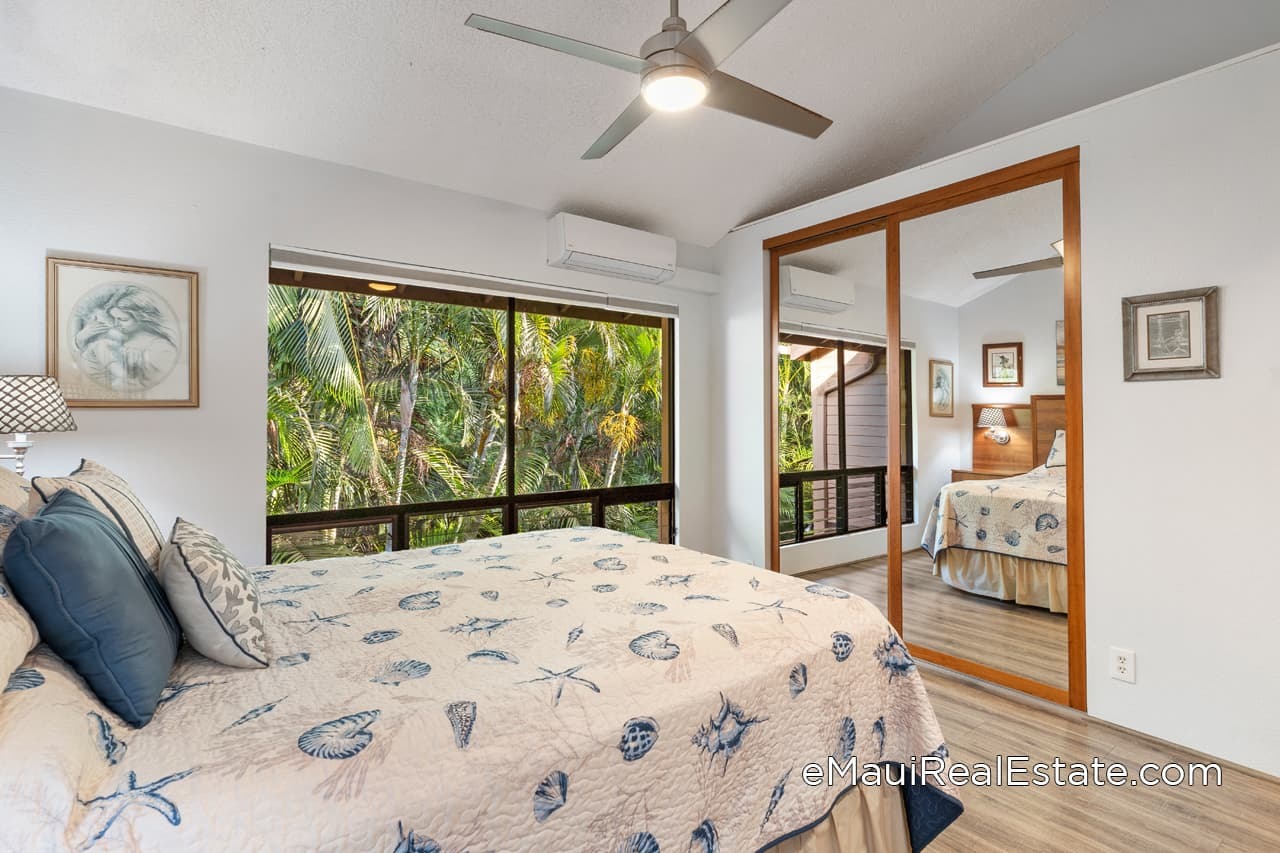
(1006, 538)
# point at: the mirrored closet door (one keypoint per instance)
(985, 579)
(943, 480)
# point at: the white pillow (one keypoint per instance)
(18, 635)
(214, 597)
(1058, 453)
(111, 495)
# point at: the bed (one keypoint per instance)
(567, 690)
(1007, 538)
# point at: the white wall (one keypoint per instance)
(1180, 189)
(79, 181)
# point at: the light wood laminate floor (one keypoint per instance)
(981, 721)
(1026, 641)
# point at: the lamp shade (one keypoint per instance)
(991, 417)
(33, 404)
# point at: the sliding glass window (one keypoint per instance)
(833, 436)
(415, 416)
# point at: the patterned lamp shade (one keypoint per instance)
(33, 404)
(992, 417)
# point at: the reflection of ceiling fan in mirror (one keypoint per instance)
(678, 69)
(1051, 262)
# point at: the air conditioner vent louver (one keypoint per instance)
(588, 245)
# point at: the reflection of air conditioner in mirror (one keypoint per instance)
(814, 291)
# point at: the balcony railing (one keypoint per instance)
(820, 504)
(399, 527)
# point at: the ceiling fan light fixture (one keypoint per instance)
(1060, 246)
(674, 88)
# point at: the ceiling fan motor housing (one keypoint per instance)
(668, 49)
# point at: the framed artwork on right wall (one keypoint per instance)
(1171, 335)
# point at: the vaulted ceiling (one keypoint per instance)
(402, 87)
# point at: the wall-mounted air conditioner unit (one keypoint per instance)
(814, 291)
(588, 245)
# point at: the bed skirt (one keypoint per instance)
(1032, 582)
(866, 819)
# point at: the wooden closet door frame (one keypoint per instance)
(1061, 166)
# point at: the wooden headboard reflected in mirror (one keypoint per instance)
(1031, 427)
(1048, 415)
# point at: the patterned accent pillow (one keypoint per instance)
(1057, 453)
(18, 635)
(214, 597)
(107, 492)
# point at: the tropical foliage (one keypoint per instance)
(376, 400)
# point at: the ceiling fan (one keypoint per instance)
(1051, 262)
(678, 69)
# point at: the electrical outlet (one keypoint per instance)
(1124, 665)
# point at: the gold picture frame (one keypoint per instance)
(942, 388)
(122, 336)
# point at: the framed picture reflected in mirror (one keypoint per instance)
(1002, 365)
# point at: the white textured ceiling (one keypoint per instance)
(941, 252)
(402, 87)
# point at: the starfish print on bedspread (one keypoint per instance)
(777, 607)
(315, 620)
(550, 579)
(560, 679)
(130, 793)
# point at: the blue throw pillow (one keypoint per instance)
(96, 603)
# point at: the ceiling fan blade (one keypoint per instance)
(1017, 269)
(630, 119)
(739, 97)
(729, 27)
(562, 44)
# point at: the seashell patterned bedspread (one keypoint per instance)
(568, 690)
(1023, 516)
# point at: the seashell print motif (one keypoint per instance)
(877, 731)
(445, 574)
(702, 596)
(111, 747)
(841, 646)
(489, 595)
(445, 550)
(557, 602)
(412, 843)
(982, 535)
(364, 590)
(755, 583)
(550, 795)
(175, 689)
(462, 716)
(647, 608)
(428, 600)
(610, 564)
(293, 659)
(655, 645)
(1047, 521)
(254, 713)
(775, 798)
(1013, 538)
(827, 590)
(282, 602)
(396, 672)
(24, 678)
(894, 657)
(342, 738)
(1055, 549)
(798, 680)
(422, 567)
(848, 739)
(705, 839)
(573, 636)
(727, 632)
(479, 625)
(658, 558)
(639, 734)
(671, 580)
(960, 493)
(319, 573)
(604, 587)
(493, 654)
(290, 589)
(639, 843)
(501, 567)
(263, 574)
(986, 510)
(375, 637)
(725, 733)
